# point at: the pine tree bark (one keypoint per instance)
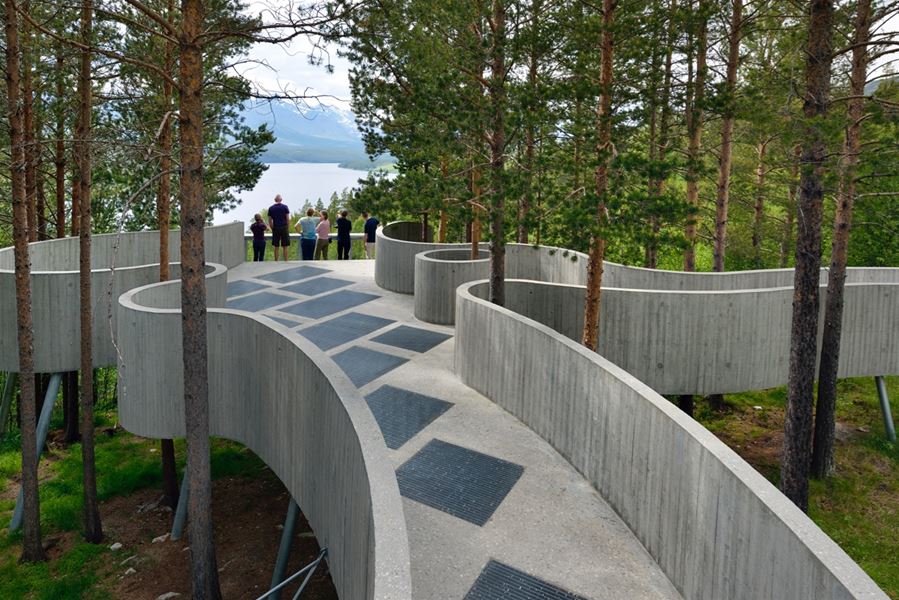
(526, 201)
(786, 242)
(497, 155)
(32, 550)
(695, 102)
(722, 197)
(604, 151)
(93, 530)
(59, 159)
(163, 219)
(803, 335)
(825, 418)
(70, 407)
(28, 124)
(759, 208)
(657, 184)
(204, 569)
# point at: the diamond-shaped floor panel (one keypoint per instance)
(238, 288)
(257, 302)
(502, 582)
(401, 414)
(364, 365)
(317, 286)
(464, 483)
(328, 305)
(412, 338)
(343, 329)
(293, 274)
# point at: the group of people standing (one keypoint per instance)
(315, 233)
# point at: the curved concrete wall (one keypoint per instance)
(716, 527)
(713, 342)
(686, 333)
(437, 275)
(397, 245)
(283, 398)
(122, 262)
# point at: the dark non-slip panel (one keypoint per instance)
(317, 286)
(258, 301)
(293, 274)
(401, 414)
(501, 582)
(412, 338)
(343, 329)
(462, 482)
(328, 305)
(364, 365)
(241, 287)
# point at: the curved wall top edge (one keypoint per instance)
(46, 254)
(621, 276)
(389, 553)
(832, 558)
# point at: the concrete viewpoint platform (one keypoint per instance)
(422, 487)
(551, 525)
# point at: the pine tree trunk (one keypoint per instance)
(93, 530)
(786, 242)
(526, 201)
(759, 209)
(696, 99)
(163, 219)
(722, 197)
(804, 330)
(601, 181)
(60, 155)
(28, 124)
(32, 550)
(825, 419)
(204, 569)
(70, 407)
(497, 155)
(657, 187)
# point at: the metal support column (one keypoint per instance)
(8, 389)
(885, 409)
(43, 427)
(290, 524)
(181, 510)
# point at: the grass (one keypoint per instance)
(125, 463)
(859, 506)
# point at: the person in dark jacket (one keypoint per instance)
(258, 228)
(371, 228)
(344, 243)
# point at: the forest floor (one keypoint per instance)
(249, 506)
(859, 506)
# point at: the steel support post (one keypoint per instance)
(885, 409)
(8, 389)
(181, 510)
(43, 427)
(290, 524)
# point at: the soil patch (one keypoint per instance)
(248, 515)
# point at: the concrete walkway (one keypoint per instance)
(492, 510)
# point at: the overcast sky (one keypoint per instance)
(286, 67)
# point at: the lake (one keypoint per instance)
(296, 182)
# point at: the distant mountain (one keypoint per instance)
(326, 134)
(872, 86)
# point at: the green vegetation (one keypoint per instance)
(859, 506)
(125, 463)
